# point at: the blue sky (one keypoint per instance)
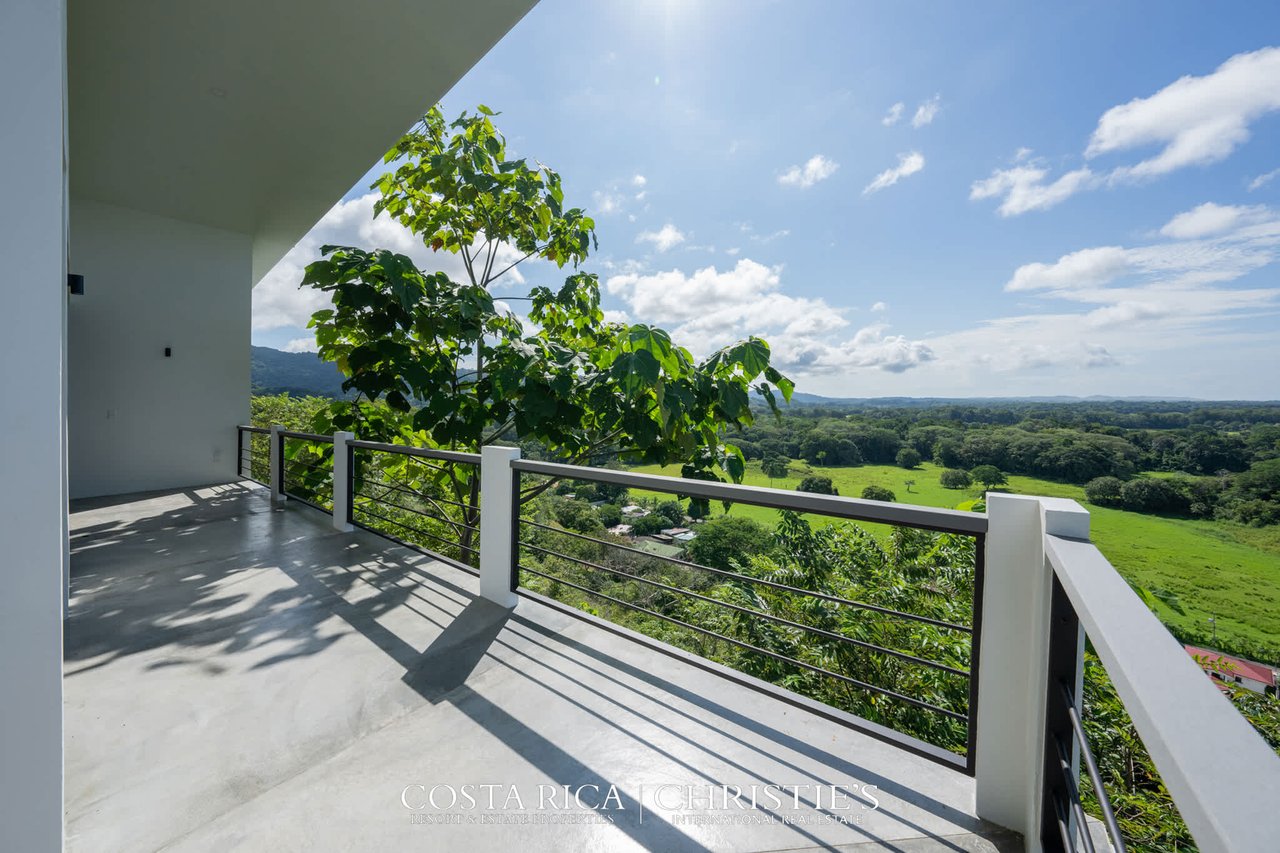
(1068, 200)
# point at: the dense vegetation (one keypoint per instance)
(1225, 459)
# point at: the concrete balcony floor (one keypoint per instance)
(242, 677)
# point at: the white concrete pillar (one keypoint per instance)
(342, 484)
(497, 523)
(1013, 672)
(275, 476)
(33, 503)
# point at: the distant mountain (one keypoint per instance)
(303, 374)
(300, 374)
(803, 399)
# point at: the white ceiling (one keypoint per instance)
(256, 115)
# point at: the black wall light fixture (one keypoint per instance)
(75, 284)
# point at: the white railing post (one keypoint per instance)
(276, 475)
(1013, 672)
(498, 508)
(342, 484)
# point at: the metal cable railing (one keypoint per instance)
(425, 498)
(724, 607)
(306, 468)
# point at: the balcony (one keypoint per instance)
(245, 669)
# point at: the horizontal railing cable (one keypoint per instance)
(419, 531)
(848, 602)
(441, 519)
(920, 703)
(751, 612)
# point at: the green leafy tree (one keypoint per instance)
(609, 514)
(989, 476)
(647, 525)
(452, 370)
(909, 484)
(954, 478)
(909, 457)
(775, 467)
(878, 493)
(672, 511)
(817, 485)
(729, 540)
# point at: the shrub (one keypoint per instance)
(649, 524)
(1148, 494)
(878, 493)
(817, 485)
(610, 514)
(909, 457)
(954, 478)
(672, 511)
(1103, 491)
(579, 516)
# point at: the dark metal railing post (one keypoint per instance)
(1059, 804)
(351, 481)
(239, 452)
(975, 651)
(515, 530)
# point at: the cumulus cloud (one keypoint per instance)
(1210, 218)
(301, 345)
(638, 181)
(894, 115)
(1085, 268)
(1023, 188)
(816, 168)
(926, 112)
(879, 306)
(665, 238)
(278, 301)
(1197, 120)
(908, 164)
(711, 307)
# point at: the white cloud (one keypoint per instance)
(1023, 188)
(816, 168)
(1113, 307)
(894, 115)
(1262, 180)
(733, 251)
(908, 164)
(638, 181)
(926, 112)
(608, 202)
(879, 306)
(301, 345)
(1198, 120)
(1210, 218)
(1085, 268)
(278, 301)
(666, 237)
(710, 308)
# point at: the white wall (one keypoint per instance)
(136, 419)
(32, 450)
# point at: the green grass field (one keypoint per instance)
(1215, 569)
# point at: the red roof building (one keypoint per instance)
(1254, 676)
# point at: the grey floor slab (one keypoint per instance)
(242, 677)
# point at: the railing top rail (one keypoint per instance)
(905, 515)
(247, 428)
(306, 436)
(421, 452)
(1213, 762)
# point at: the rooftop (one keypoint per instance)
(236, 670)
